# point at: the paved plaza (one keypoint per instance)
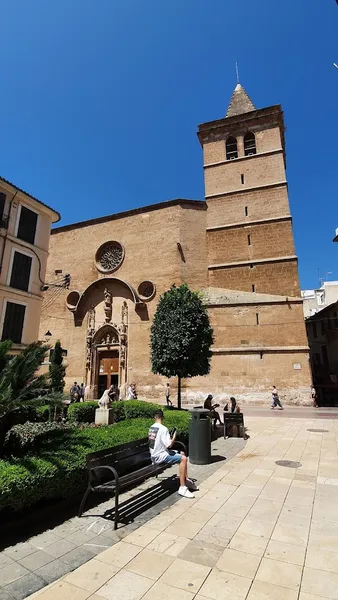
(256, 529)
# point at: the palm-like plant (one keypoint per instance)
(19, 382)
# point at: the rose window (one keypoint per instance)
(109, 257)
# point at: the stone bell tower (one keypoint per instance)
(252, 263)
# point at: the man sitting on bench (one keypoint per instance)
(159, 444)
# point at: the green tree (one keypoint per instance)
(20, 383)
(181, 336)
(57, 370)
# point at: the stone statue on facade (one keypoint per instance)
(108, 305)
(91, 320)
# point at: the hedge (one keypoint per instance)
(84, 412)
(21, 439)
(59, 470)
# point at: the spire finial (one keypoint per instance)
(237, 75)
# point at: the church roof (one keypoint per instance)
(213, 296)
(240, 102)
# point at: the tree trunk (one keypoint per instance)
(179, 403)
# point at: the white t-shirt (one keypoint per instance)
(159, 442)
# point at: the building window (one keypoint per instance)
(242, 178)
(253, 287)
(27, 225)
(322, 326)
(249, 144)
(249, 240)
(13, 323)
(21, 271)
(231, 148)
(335, 319)
(257, 318)
(325, 356)
(246, 211)
(314, 329)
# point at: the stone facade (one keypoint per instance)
(237, 247)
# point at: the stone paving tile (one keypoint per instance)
(91, 576)
(6, 595)
(44, 539)
(185, 575)
(268, 591)
(280, 573)
(36, 560)
(5, 560)
(59, 548)
(162, 591)
(52, 571)
(120, 554)
(320, 583)
(63, 590)
(150, 564)
(238, 563)
(201, 553)
(125, 586)
(11, 572)
(25, 586)
(225, 586)
(77, 557)
(20, 550)
(288, 553)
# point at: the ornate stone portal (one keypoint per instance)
(106, 350)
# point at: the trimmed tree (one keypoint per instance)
(56, 369)
(181, 336)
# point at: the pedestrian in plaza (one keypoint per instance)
(167, 395)
(212, 409)
(160, 444)
(275, 399)
(82, 392)
(75, 392)
(314, 396)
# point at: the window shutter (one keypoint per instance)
(21, 271)
(27, 225)
(13, 324)
(2, 204)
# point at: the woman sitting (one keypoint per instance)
(211, 408)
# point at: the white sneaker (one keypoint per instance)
(183, 491)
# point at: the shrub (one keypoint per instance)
(21, 439)
(82, 412)
(43, 412)
(133, 409)
(59, 471)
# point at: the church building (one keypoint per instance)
(236, 247)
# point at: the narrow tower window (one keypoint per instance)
(249, 144)
(246, 211)
(257, 319)
(249, 240)
(242, 178)
(231, 148)
(253, 287)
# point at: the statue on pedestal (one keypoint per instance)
(108, 305)
(104, 401)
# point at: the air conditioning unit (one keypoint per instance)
(251, 154)
(232, 157)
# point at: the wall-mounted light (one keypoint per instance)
(48, 335)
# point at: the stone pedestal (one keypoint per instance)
(104, 416)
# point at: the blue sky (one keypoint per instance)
(100, 102)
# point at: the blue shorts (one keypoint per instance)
(173, 459)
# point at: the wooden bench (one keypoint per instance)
(119, 467)
(233, 419)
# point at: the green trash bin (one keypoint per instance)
(200, 437)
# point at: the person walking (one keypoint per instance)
(275, 399)
(167, 395)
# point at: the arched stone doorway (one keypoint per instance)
(106, 355)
